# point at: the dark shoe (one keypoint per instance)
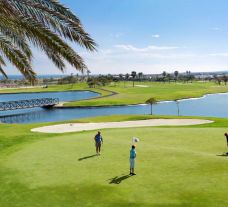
(133, 174)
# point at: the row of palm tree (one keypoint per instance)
(133, 76)
(45, 24)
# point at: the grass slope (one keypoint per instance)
(126, 94)
(176, 166)
(160, 91)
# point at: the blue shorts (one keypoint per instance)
(132, 163)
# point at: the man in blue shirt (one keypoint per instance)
(132, 160)
(98, 141)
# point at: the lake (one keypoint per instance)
(214, 105)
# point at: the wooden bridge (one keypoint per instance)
(32, 103)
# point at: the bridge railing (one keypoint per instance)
(32, 103)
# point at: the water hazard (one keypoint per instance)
(210, 105)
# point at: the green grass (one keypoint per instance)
(176, 166)
(160, 91)
(126, 94)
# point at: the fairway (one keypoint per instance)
(175, 167)
(126, 94)
(123, 93)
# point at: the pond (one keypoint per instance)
(214, 105)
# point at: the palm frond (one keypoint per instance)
(16, 39)
(3, 72)
(2, 63)
(55, 16)
(17, 58)
(43, 23)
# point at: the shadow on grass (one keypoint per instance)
(224, 154)
(118, 180)
(87, 157)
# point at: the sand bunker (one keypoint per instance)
(142, 86)
(77, 127)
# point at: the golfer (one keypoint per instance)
(226, 135)
(132, 160)
(98, 141)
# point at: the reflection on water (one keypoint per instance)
(31, 115)
(62, 96)
(210, 105)
(22, 118)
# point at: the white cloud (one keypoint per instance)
(145, 49)
(153, 59)
(156, 36)
(124, 58)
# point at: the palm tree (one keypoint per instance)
(126, 78)
(169, 77)
(133, 74)
(140, 75)
(225, 79)
(176, 73)
(88, 72)
(151, 101)
(164, 74)
(45, 24)
(178, 108)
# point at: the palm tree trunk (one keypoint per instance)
(151, 109)
(178, 110)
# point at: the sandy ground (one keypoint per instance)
(76, 127)
(20, 87)
(142, 86)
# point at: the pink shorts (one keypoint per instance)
(98, 144)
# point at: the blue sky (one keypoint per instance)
(151, 36)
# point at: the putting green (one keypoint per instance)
(175, 167)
